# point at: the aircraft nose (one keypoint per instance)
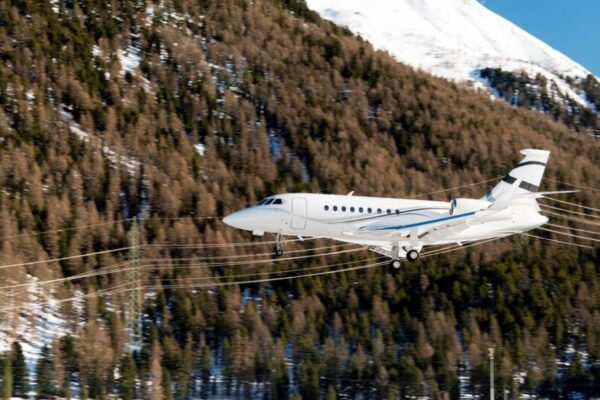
(240, 219)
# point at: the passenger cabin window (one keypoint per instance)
(389, 211)
(334, 208)
(360, 209)
(344, 208)
(326, 208)
(277, 202)
(351, 209)
(369, 210)
(379, 211)
(397, 212)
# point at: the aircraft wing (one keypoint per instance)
(432, 228)
(424, 224)
(411, 227)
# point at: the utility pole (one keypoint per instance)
(134, 279)
(491, 350)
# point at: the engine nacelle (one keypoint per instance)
(461, 206)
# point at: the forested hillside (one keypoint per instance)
(536, 93)
(176, 113)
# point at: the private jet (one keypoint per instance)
(401, 228)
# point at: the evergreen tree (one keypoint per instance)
(167, 385)
(331, 394)
(127, 381)
(7, 379)
(308, 380)
(44, 376)
(69, 353)
(205, 369)
(576, 374)
(279, 380)
(20, 385)
(97, 388)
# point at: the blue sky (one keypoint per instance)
(570, 26)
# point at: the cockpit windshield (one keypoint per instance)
(270, 201)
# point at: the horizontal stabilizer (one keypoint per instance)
(544, 194)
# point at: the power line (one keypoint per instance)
(572, 204)
(572, 185)
(126, 287)
(284, 271)
(115, 268)
(459, 187)
(64, 229)
(90, 274)
(570, 211)
(571, 228)
(24, 264)
(569, 234)
(222, 245)
(270, 260)
(556, 241)
(96, 253)
(570, 218)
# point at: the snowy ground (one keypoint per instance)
(34, 326)
(115, 158)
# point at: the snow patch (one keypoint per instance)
(201, 149)
(131, 163)
(33, 326)
(96, 51)
(129, 59)
(149, 14)
(67, 118)
(54, 6)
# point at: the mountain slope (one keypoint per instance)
(454, 39)
(180, 112)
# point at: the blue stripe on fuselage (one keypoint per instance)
(433, 221)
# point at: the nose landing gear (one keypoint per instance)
(278, 245)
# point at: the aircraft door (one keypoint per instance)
(298, 213)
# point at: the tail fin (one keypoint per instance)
(529, 171)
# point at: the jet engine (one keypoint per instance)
(460, 206)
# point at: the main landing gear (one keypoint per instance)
(411, 255)
(278, 245)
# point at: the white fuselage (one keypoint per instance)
(377, 221)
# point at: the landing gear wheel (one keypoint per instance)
(412, 255)
(278, 252)
(396, 264)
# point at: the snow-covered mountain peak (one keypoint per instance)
(449, 38)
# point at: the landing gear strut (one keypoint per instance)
(279, 245)
(396, 264)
